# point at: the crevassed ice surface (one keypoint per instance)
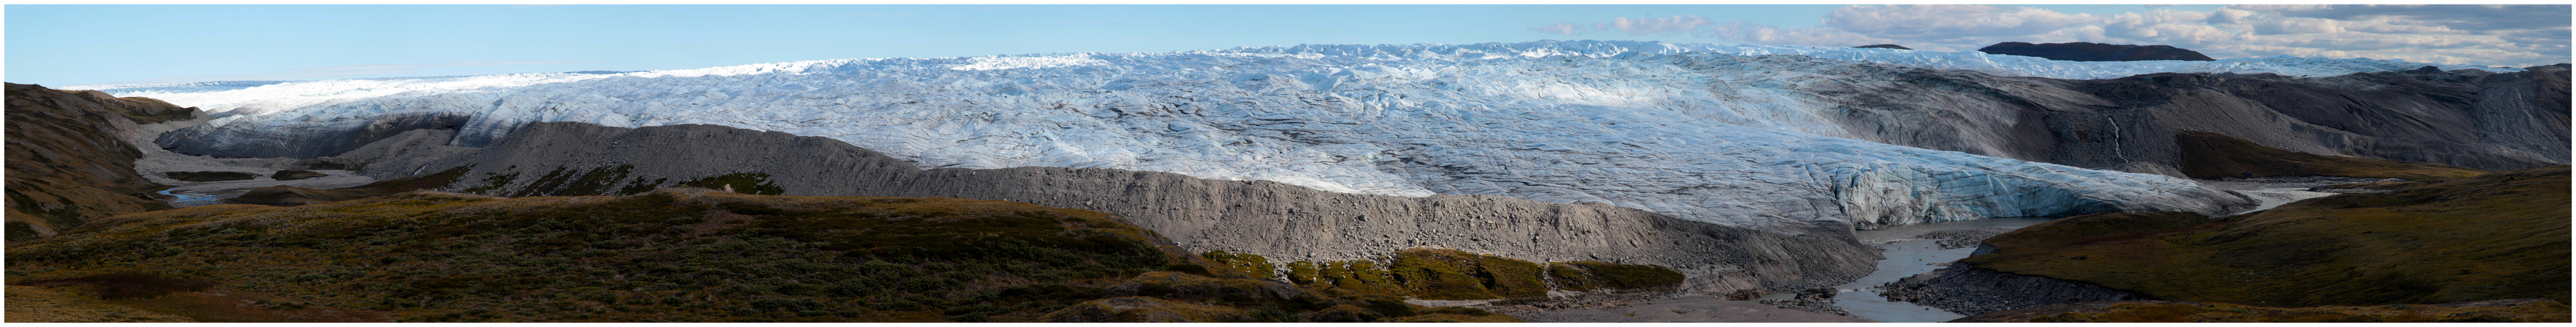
(1697, 131)
(259, 97)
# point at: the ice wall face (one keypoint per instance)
(1706, 136)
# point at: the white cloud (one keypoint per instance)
(1557, 28)
(2502, 35)
(1657, 25)
(1741, 31)
(1641, 26)
(1937, 21)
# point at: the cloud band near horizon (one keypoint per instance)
(2497, 35)
(332, 72)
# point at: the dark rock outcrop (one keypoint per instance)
(1279, 221)
(1960, 238)
(2088, 51)
(289, 196)
(1817, 300)
(1968, 290)
(210, 176)
(67, 161)
(293, 174)
(1885, 46)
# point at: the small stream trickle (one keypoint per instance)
(183, 200)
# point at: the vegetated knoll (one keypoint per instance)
(2525, 310)
(2088, 51)
(67, 164)
(2213, 155)
(2491, 237)
(1271, 219)
(677, 254)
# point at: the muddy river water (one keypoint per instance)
(206, 193)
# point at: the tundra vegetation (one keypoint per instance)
(678, 254)
(2528, 310)
(2496, 236)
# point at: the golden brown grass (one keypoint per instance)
(67, 304)
(2539, 311)
(2494, 236)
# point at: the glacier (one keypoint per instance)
(1729, 134)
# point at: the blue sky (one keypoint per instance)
(98, 44)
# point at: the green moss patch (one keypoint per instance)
(1440, 274)
(1627, 276)
(1247, 263)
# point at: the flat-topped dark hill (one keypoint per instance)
(1885, 46)
(2088, 51)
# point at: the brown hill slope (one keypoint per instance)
(66, 163)
(2492, 237)
(2525, 310)
(2213, 155)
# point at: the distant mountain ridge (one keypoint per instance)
(2088, 51)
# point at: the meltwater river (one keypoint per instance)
(1909, 256)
